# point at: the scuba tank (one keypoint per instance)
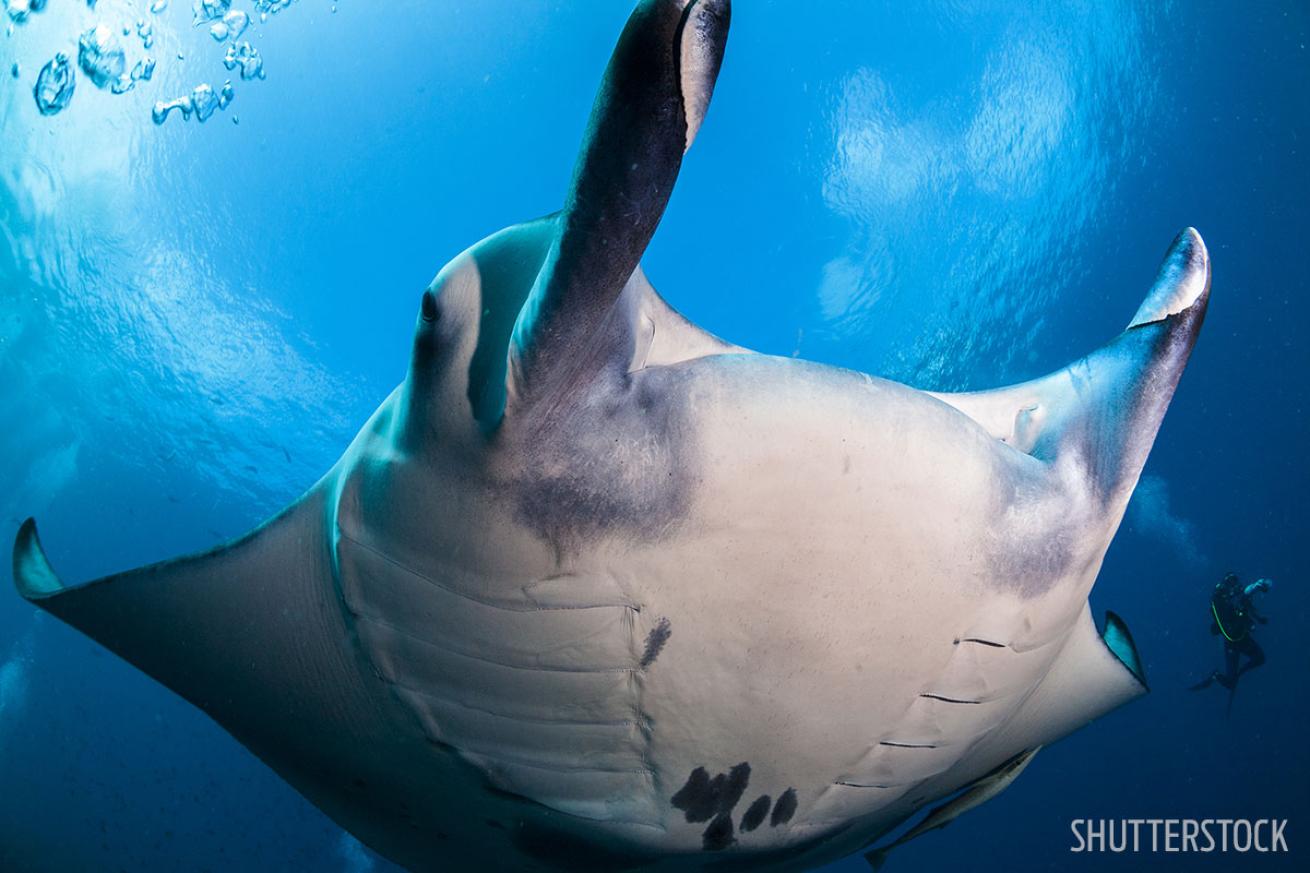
(1228, 606)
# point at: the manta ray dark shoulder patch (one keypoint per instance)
(617, 458)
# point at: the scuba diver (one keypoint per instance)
(1232, 608)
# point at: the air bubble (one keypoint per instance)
(54, 85)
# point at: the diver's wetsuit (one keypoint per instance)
(1233, 613)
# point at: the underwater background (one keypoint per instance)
(196, 315)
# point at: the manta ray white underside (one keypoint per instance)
(596, 590)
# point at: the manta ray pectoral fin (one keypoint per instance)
(1094, 673)
(651, 102)
(244, 631)
(1104, 410)
(973, 796)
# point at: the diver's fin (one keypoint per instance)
(976, 794)
(189, 623)
(876, 858)
(1102, 412)
(653, 97)
(1204, 683)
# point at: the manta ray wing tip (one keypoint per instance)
(33, 575)
(1183, 282)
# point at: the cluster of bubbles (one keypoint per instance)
(233, 24)
(268, 7)
(18, 10)
(202, 102)
(102, 59)
(245, 56)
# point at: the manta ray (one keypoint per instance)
(596, 590)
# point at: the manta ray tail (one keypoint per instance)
(1103, 411)
(651, 102)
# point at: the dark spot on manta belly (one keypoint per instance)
(702, 798)
(719, 834)
(755, 813)
(713, 800)
(655, 640)
(784, 809)
(695, 797)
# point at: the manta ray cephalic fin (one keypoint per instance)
(1104, 410)
(651, 102)
(469, 310)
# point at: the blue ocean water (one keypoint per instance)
(196, 315)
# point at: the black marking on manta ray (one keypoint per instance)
(896, 745)
(846, 784)
(655, 640)
(508, 606)
(755, 813)
(704, 799)
(701, 798)
(719, 834)
(784, 809)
